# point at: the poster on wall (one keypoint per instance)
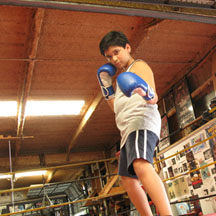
(180, 187)
(205, 171)
(184, 108)
(182, 208)
(193, 164)
(170, 171)
(164, 139)
(210, 131)
(196, 178)
(171, 191)
(199, 179)
(197, 139)
(162, 163)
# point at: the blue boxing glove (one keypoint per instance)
(129, 81)
(104, 75)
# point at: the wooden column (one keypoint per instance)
(214, 71)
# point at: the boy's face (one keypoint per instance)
(118, 56)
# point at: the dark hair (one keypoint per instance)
(113, 38)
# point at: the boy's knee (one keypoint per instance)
(141, 166)
(125, 181)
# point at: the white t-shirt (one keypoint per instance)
(133, 113)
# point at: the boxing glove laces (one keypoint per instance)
(104, 75)
(129, 81)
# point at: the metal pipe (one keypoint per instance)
(77, 201)
(183, 150)
(55, 183)
(91, 178)
(181, 201)
(33, 200)
(191, 171)
(61, 166)
(12, 183)
(62, 204)
(189, 124)
(94, 177)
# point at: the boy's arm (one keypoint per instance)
(104, 75)
(144, 71)
(111, 104)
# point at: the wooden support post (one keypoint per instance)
(109, 184)
(100, 179)
(107, 171)
(214, 72)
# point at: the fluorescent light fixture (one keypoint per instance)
(50, 108)
(190, 108)
(81, 212)
(8, 108)
(24, 174)
(5, 176)
(42, 108)
(30, 174)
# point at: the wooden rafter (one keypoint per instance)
(200, 12)
(83, 122)
(37, 23)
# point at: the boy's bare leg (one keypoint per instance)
(137, 195)
(153, 185)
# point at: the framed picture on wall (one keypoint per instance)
(161, 107)
(173, 161)
(162, 163)
(185, 168)
(164, 136)
(169, 101)
(189, 156)
(184, 108)
(213, 170)
(170, 171)
(207, 154)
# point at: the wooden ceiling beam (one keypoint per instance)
(142, 32)
(37, 24)
(83, 122)
(74, 175)
(195, 12)
(50, 175)
(52, 161)
(15, 138)
(22, 104)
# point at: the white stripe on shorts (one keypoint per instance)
(136, 144)
(145, 144)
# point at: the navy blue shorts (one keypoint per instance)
(139, 144)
